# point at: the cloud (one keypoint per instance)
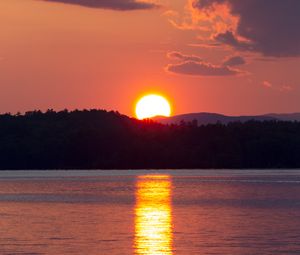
(267, 84)
(194, 65)
(201, 69)
(270, 27)
(281, 88)
(179, 56)
(229, 38)
(234, 61)
(286, 88)
(120, 5)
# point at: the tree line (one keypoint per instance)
(98, 139)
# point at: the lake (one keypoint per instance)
(180, 212)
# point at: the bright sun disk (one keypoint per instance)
(152, 105)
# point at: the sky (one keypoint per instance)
(225, 56)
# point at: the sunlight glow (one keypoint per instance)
(153, 216)
(152, 105)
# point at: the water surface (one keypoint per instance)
(150, 212)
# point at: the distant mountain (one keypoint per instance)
(204, 118)
(286, 116)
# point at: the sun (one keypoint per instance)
(152, 105)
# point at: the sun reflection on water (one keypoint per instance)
(153, 215)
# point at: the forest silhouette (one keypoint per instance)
(97, 139)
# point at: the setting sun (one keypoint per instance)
(152, 105)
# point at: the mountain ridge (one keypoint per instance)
(204, 118)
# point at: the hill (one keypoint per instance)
(204, 118)
(97, 139)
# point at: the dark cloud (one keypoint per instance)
(201, 69)
(120, 5)
(270, 27)
(179, 56)
(234, 61)
(229, 38)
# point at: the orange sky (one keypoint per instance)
(55, 55)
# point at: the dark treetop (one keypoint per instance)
(98, 139)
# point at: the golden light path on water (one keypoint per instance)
(153, 215)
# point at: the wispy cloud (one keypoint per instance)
(201, 69)
(281, 88)
(267, 84)
(234, 61)
(195, 65)
(179, 56)
(286, 88)
(119, 5)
